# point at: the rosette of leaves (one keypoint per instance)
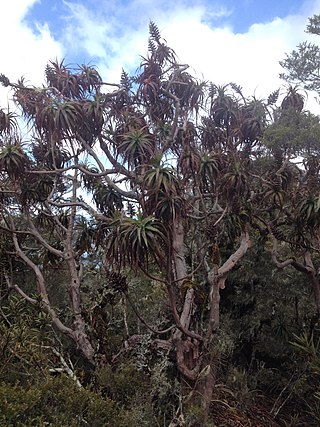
(150, 87)
(13, 160)
(135, 242)
(116, 281)
(31, 100)
(35, 188)
(136, 147)
(92, 118)
(61, 118)
(49, 156)
(293, 100)
(89, 79)
(72, 83)
(162, 192)
(233, 226)
(275, 193)
(283, 184)
(160, 111)
(106, 198)
(312, 177)
(210, 168)
(224, 107)
(253, 120)
(45, 221)
(169, 207)
(189, 91)
(189, 163)
(160, 178)
(90, 181)
(7, 122)
(85, 235)
(235, 181)
(308, 213)
(212, 136)
(64, 218)
(251, 129)
(60, 77)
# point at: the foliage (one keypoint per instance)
(57, 402)
(302, 65)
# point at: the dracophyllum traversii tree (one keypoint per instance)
(179, 192)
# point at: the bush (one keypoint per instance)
(56, 402)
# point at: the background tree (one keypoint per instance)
(302, 65)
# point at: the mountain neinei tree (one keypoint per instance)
(163, 179)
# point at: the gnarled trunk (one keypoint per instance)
(196, 360)
(79, 335)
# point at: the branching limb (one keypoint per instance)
(217, 277)
(136, 312)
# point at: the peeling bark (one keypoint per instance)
(314, 280)
(190, 358)
(187, 349)
(180, 268)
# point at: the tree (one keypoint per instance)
(184, 179)
(302, 65)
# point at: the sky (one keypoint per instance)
(239, 41)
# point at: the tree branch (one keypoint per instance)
(165, 331)
(245, 244)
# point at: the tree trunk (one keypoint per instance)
(179, 262)
(196, 360)
(314, 279)
(80, 335)
(189, 350)
(205, 385)
(81, 339)
(186, 348)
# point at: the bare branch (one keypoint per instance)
(136, 312)
(34, 232)
(245, 244)
(283, 264)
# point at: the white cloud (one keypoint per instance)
(23, 52)
(250, 59)
(84, 31)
